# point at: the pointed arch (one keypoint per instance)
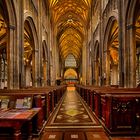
(46, 63)
(30, 30)
(96, 63)
(111, 52)
(9, 16)
(132, 14)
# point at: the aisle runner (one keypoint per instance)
(72, 113)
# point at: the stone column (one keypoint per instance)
(101, 48)
(62, 70)
(121, 46)
(84, 64)
(52, 82)
(10, 56)
(28, 75)
(114, 75)
(40, 47)
(35, 66)
(20, 46)
(90, 71)
(54, 57)
(106, 74)
(96, 72)
(88, 67)
(132, 57)
(57, 63)
(45, 71)
(48, 73)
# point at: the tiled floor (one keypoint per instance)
(72, 112)
(73, 120)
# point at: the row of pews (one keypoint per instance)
(26, 111)
(118, 109)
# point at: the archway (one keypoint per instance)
(70, 76)
(3, 49)
(28, 53)
(45, 65)
(97, 64)
(111, 75)
(132, 76)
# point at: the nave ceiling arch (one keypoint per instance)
(70, 19)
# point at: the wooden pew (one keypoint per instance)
(117, 108)
(98, 92)
(43, 97)
(91, 94)
(51, 94)
(120, 113)
(18, 111)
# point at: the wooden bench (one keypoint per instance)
(51, 95)
(118, 109)
(16, 111)
(45, 98)
(98, 92)
(120, 114)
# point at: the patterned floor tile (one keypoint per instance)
(72, 111)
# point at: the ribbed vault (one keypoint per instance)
(70, 19)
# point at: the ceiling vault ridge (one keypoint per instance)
(70, 19)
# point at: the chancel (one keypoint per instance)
(70, 69)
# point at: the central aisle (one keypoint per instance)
(72, 113)
(72, 119)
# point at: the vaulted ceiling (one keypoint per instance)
(70, 19)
